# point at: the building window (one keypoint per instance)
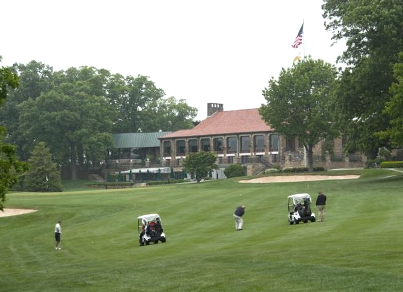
(180, 147)
(258, 143)
(232, 145)
(205, 144)
(230, 159)
(244, 159)
(245, 144)
(290, 144)
(218, 144)
(273, 142)
(167, 148)
(192, 146)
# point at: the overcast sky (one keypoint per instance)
(221, 51)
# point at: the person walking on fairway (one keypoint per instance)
(239, 212)
(320, 204)
(58, 233)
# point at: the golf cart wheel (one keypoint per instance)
(147, 243)
(296, 221)
(163, 239)
(313, 219)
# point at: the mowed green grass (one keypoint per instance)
(359, 247)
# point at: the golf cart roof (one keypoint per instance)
(149, 217)
(299, 196)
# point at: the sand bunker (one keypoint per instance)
(12, 212)
(298, 178)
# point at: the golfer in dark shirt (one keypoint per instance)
(320, 204)
(239, 212)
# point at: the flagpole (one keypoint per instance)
(299, 40)
(303, 40)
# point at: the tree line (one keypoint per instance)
(76, 111)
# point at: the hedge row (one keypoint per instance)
(112, 185)
(164, 182)
(391, 164)
(302, 169)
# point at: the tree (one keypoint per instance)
(199, 164)
(142, 106)
(43, 176)
(373, 31)
(132, 96)
(299, 103)
(10, 166)
(168, 114)
(73, 122)
(394, 108)
(34, 79)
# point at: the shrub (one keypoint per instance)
(372, 163)
(112, 185)
(164, 182)
(296, 169)
(234, 170)
(391, 164)
(302, 169)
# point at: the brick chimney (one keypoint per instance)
(214, 107)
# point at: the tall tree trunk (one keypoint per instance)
(309, 151)
(73, 158)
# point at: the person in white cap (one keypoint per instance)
(58, 233)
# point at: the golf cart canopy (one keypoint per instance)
(149, 217)
(298, 198)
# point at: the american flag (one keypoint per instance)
(298, 39)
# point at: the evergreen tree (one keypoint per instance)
(43, 175)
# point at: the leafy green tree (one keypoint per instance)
(44, 175)
(142, 106)
(394, 108)
(133, 96)
(10, 166)
(373, 31)
(234, 170)
(34, 79)
(299, 103)
(74, 123)
(200, 164)
(168, 114)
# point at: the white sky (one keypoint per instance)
(221, 51)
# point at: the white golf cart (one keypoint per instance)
(299, 209)
(150, 229)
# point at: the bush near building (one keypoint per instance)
(391, 164)
(234, 170)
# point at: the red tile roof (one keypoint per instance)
(224, 123)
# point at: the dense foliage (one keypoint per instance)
(199, 164)
(10, 166)
(76, 111)
(299, 104)
(373, 31)
(234, 170)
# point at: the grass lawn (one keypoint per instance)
(359, 247)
